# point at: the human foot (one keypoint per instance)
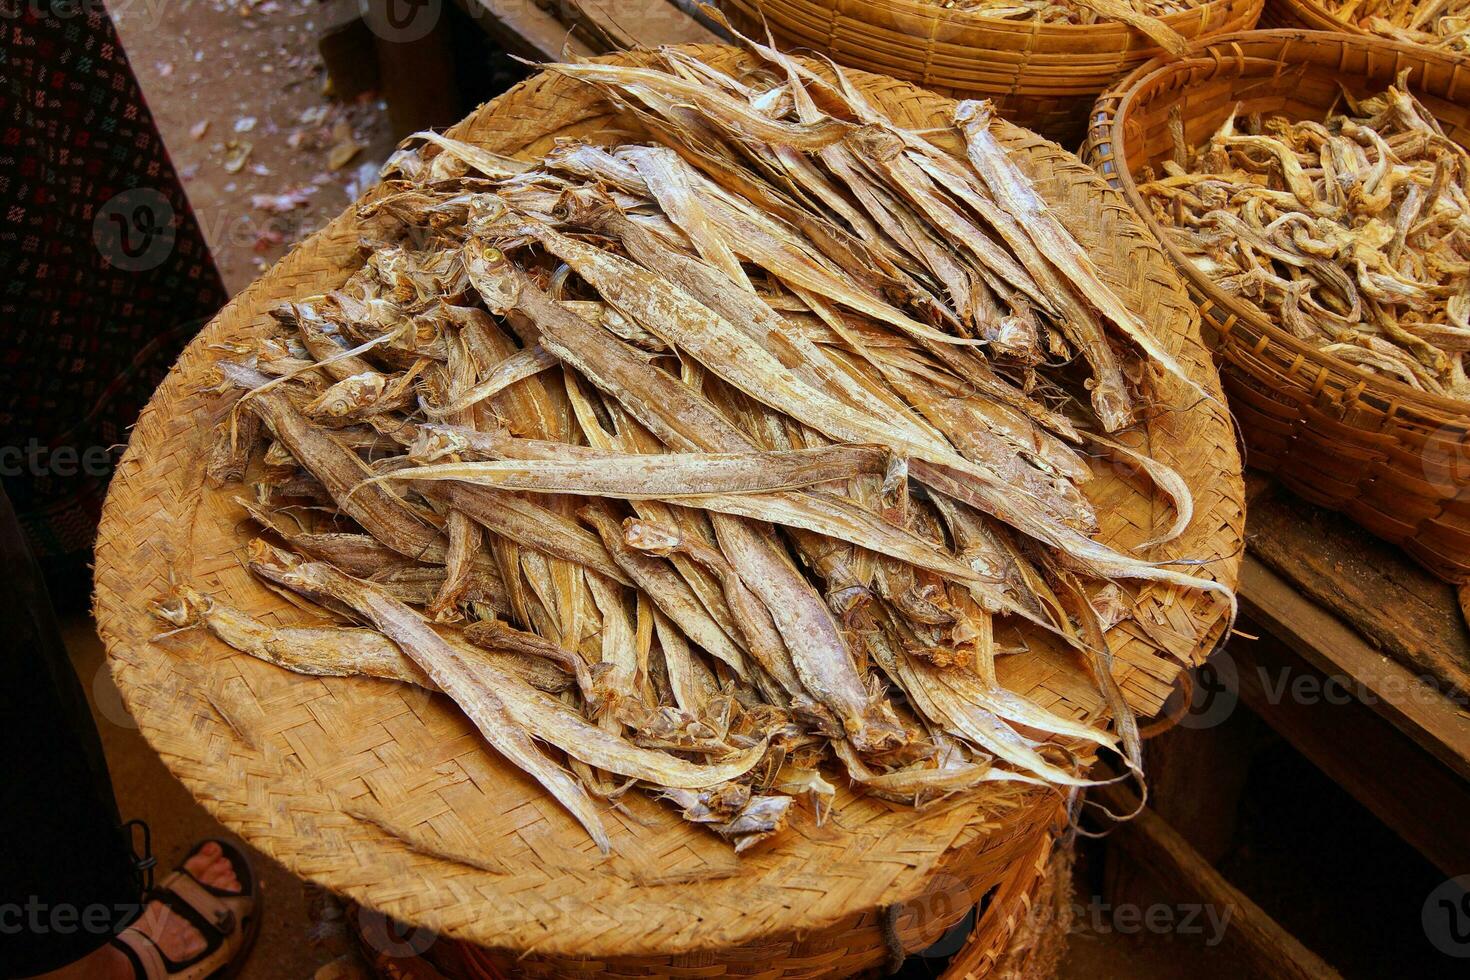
(177, 937)
(173, 935)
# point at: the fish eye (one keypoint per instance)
(492, 255)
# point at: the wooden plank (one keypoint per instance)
(1154, 844)
(1201, 807)
(1411, 790)
(1396, 604)
(524, 29)
(416, 77)
(626, 24)
(1437, 723)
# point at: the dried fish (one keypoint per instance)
(746, 437)
(1350, 232)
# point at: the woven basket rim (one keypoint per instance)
(1009, 811)
(1314, 9)
(937, 14)
(1111, 116)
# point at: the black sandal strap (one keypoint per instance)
(140, 972)
(244, 874)
(213, 937)
(143, 860)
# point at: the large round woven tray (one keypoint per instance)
(1389, 456)
(1020, 933)
(1041, 76)
(389, 796)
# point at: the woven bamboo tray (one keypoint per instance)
(1392, 458)
(1041, 76)
(1020, 934)
(388, 796)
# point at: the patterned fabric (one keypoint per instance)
(104, 275)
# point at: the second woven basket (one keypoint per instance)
(1394, 459)
(1041, 76)
(1326, 15)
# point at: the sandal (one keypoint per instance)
(228, 921)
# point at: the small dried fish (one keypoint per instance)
(1350, 232)
(745, 438)
(332, 651)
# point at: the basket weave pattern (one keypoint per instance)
(1041, 76)
(1313, 16)
(1391, 457)
(1021, 934)
(388, 795)
(1304, 15)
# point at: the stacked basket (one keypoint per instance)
(1041, 76)
(1395, 459)
(1316, 15)
(1020, 933)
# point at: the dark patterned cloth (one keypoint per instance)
(104, 275)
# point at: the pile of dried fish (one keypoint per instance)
(1142, 15)
(1352, 233)
(742, 447)
(1443, 24)
(1066, 11)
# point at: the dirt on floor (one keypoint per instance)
(239, 92)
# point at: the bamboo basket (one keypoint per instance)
(1020, 934)
(387, 795)
(1041, 76)
(1392, 458)
(1312, 15)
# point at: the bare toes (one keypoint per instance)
(220, 873)
(200, 861)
